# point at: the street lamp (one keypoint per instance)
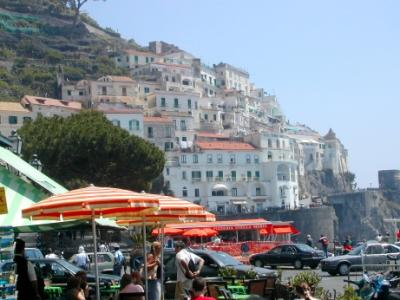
(17, 142)
(36, 163)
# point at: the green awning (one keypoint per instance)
(33, 174)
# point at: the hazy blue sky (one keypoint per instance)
(331, 63)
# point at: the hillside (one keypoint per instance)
(39, 41)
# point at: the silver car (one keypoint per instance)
(105, 261)
(373, 253)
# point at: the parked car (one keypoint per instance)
(374, 253)
(33, 253)
(105, 261)
(59, 270)
(297, 255)
(213, 261)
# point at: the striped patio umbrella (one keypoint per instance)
(90, 203)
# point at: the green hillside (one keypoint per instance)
(39, 40)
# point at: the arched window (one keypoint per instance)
(134, 125)
(283, 173)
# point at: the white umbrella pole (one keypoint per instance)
(162, 260)
(96, 269)
(146, 284)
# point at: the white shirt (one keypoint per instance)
(81, 259)
(51, 255)
(185, 256)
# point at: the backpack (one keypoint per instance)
(325, 242)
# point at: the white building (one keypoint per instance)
(160, 131)
(126, 118)
(12, 116)
(230, 77)
(132, 59)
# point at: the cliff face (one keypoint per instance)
(319, 184)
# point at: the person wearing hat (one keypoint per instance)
(27, 283)
(119, 260)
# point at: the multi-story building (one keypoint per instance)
(48, 107)
(132, 59)
(230, 77)
(12, 116)
(159, 131)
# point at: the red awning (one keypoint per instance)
(285, 229)
(231, 225)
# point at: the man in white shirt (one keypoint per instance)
(184, 276)
(82, 259)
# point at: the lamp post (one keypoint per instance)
(36, 163)
(17, 142)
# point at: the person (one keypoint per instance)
(185, 273)
(119, 261)
(154, 268)
(324, 244)
(137, 278)
(309, 241)
(398, 235)
(347, 247)
(27, 283)
(51, 254)
(74, 291)
(81, 260)
(102, 247)
(304, 292)
(386, 238)
(199, 289)
(128, 286)
(135, 261)
(379, 237)
(217, 240)
(84, 284)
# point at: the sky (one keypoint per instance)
(332, 64)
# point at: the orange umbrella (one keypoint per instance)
(265, 231)
(204, 232)
(92, 202)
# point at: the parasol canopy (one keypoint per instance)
(92, 201)
(205, 232)
(167, 231)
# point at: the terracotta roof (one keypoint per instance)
(121, 110)
(12, 106)
(121, 78)
(33, 100)
(211, 135)
(156, 120)
(224, 146)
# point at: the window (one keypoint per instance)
(196, 192)
(163, 103)
(269, 143)
(115, 123)
(104, 90)
(258, 191)
(195, 105)
(269, 155)
(248, 174)
(221, 209)
(173, 79)
(278, 145)
(184, 139)
(205, 116)
(232, 159)
(221, 174)
(168, 132)
(219, 158)
(209, 158)
(283, 173)
(152, 59)
(147, 60)
(215, 117)
(189, 103)
(134, 125)
(168, 146)
(146, 90)
(183, 159)
(233, 175)
(209, 175)
(176, 102)
(257, 174)
(69, 93)
(183, 175)
(256, 159)
(136, 59)
(234, 192)
(167, 171)
(81, 93)
(184, 192)
(248, 158)
(195, 159)
(183, 125)
(196, 175)
(150, 132)
(124, 91)
(26, 119)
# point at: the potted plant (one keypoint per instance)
(251, 274)
(311, 278)
(227, 273)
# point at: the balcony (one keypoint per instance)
(219, 179)
(256, 178)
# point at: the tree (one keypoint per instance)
(87, 148)
(76, 6)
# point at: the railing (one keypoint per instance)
(235, 248)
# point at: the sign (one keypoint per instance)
(3, 201)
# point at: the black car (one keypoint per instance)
(59, 270)
(297, 255)
(213, 261)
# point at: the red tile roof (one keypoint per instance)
(224, 146)
(157, 120)
(121, 110)
(212, 135)
(33, 100)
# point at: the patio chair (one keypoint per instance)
(131, 296)
(256, 287)
(270, 288)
